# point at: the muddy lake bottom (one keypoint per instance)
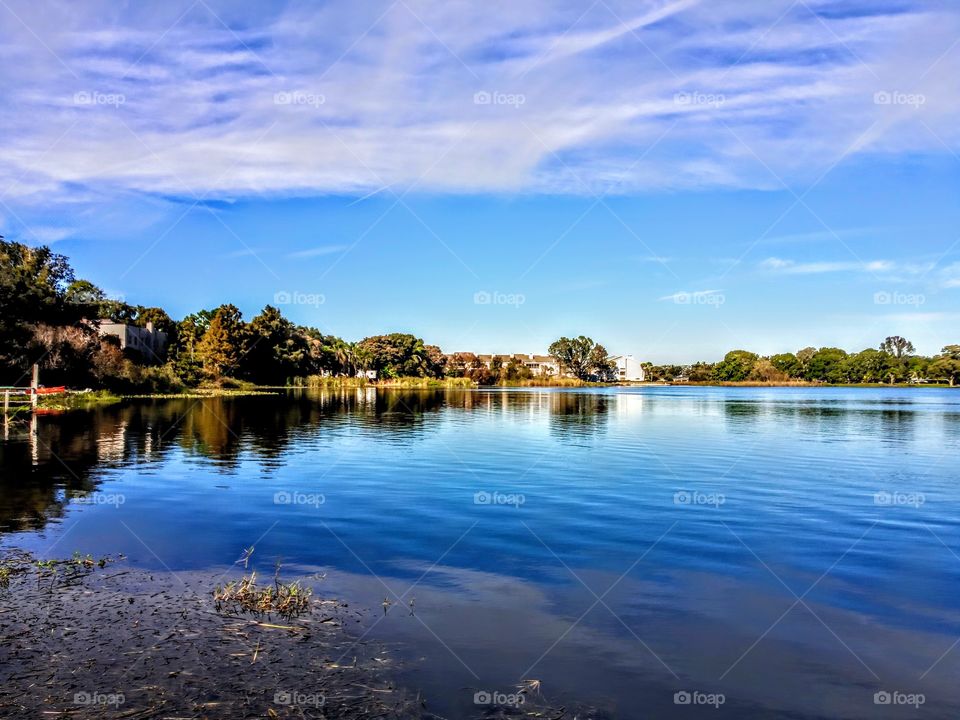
(116, 642)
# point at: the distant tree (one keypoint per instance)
(222, 345)
(946, 365)
(65, 353)
(735, 366)
(496, 368)
(789, 364)
(435, 362)
(700, 372)
(396, 355)
(33, 284)
(117, 311)
(918, 367)
(161, 321)
(825, 365)
(662, 372)
(868, 366)
(182, 352)
(460, 363)
(278, 351)
(86, 295)
(573, 355)
(805, 356)
(515, 371)
(600, 365)
(480, 373)
(107, 363)
(764, 370)
(897, 346)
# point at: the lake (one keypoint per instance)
(650, 551)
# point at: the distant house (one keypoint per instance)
(148, 341)
(538, 364)
(629, 368)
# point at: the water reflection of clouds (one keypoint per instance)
(699, 624)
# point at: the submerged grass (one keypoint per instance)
(57, 571)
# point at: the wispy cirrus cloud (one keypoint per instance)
(683, 296)
(319, 251)
(555, 96)
(950, 275)
(793, 267)
(48, 235)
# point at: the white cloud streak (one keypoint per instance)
(345, 98)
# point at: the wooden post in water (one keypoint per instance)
(34, 384)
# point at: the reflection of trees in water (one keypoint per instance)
(579, 414)
(35, 486)
(826, 419)
(40, 475)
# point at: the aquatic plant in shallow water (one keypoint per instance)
(288, 600)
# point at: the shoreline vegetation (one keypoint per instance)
(94, 399)
(67, 329)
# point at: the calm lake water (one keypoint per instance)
(794, 550)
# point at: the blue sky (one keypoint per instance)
(675, 178)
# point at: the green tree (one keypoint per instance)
(222, 345)
(600, 364)
(158, 316)
(826, 365)
(897, 346)
(33, 284)
(435, 362)
(515, 370)
(735, 366)
(868, 366)
(700, 372)
(86, 295)
(496, 368)
(805, 356)
(946, 365)
(396, 355)
(278, 350)
(573, 355)
(789, 364)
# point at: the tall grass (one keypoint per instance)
(320, 381)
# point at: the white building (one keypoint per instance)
(629, 368)
(149, 342)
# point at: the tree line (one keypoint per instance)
(893, 361)
(48, 317)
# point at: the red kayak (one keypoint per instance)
(51, 390)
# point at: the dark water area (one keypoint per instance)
(653, 552)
